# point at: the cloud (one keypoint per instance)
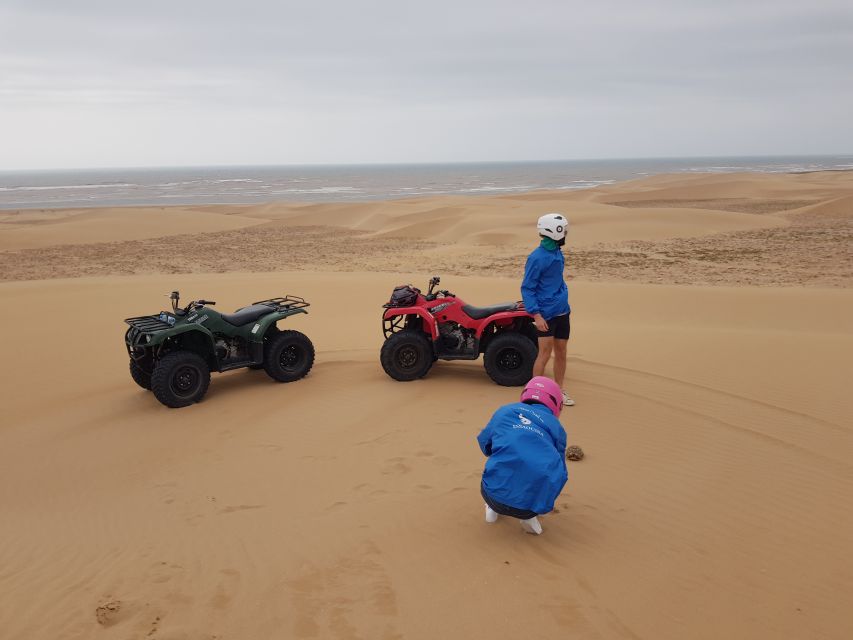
(157, 82)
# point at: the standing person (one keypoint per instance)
(526, 449)
(546, 297)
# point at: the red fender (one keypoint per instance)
(429, 321)
(505, 317)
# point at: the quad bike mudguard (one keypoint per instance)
(140, 335)
(259, 329)
(505, 318)
(400, 314)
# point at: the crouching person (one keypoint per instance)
(526, 449)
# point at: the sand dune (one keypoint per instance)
(832, 209)
(716, 422)
(22, 231)
(346, 505)
(596, 214)
(733, 185)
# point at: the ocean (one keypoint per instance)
(353, 183)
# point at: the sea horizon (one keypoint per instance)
(311, 183)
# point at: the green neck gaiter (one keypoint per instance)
(549, 244)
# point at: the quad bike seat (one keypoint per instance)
(247, 314)
(478, 313)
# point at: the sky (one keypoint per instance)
(88, 83)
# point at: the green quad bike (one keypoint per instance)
(173, 353)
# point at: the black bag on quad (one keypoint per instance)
(403, 296)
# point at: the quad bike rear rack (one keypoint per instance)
(285, 303)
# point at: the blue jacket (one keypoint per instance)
(543, 288)
(526, 446)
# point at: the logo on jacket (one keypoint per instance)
(524, 420)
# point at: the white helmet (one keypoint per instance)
(553, 225)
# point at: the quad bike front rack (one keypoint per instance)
(147, 324)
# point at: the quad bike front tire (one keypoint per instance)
(288, 356)
(140, 376)
(407, 356)
(509, 359)
(180, 379)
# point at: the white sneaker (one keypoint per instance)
(567, 400)
(532, 526)
(491, 515)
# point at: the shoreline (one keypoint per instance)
(497, 193)
(192, 186)
(719, 229)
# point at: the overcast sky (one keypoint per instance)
(107, 83)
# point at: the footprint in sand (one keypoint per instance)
(154, 625)
(225, 591)
(107, 614)
(396, 465)
(272, 447)
(162, 572)
(330, 600)
(241, 507)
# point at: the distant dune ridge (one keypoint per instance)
(713, 408)
(762, 229)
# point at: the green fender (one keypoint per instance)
(160, 337)
(259, 329)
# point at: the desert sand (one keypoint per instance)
(710, 359)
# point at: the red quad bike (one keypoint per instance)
(420, 329)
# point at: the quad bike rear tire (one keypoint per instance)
(288, 356)
(180, 378)
(407, 356)
(509, 359)
(140, 376)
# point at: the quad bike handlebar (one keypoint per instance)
(433, 283)
(175, 297)
(196, 304)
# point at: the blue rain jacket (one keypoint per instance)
(526, 447)
(543, 288)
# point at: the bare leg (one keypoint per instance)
(546, 345)
(560, 350)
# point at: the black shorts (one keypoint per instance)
(505, 509)
(559, 328)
